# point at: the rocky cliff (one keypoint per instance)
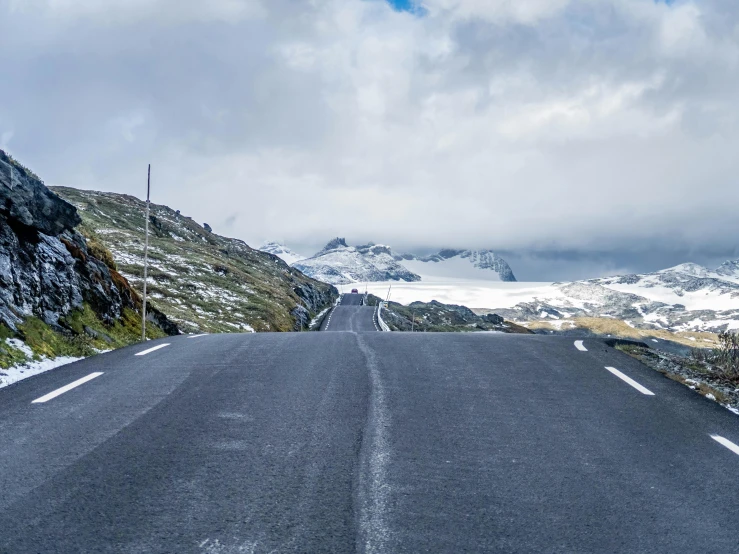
(50, 273)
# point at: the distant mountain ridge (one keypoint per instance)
(339, 263)
(687, 297)
(483, 262)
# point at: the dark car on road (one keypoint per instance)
(355, 291)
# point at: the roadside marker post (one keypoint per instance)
(146, 256)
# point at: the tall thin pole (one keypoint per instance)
(146, 256)
(413, 318)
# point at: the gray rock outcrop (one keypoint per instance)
(46, 267)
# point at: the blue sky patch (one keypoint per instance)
(411, 6)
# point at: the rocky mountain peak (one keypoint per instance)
(729, 269)
(689, 268)
(333, 244)
(338, 263)
(375, 249)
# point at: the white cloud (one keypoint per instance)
(681, 30)
(128, 11)
(520, 125)
(519, 11)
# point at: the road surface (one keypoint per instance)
(365, 442)
(352, 315)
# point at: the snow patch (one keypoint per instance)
(314, 322)
(20, 345)
(31, 368)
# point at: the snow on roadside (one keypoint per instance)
(316, 320)
(20, 345)
(29, 369)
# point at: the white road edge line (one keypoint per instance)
(196, 336)
(580, 346)
(727, 443)
(630, 381)
(145, 352)
(67, 388)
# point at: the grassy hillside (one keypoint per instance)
(201, 281)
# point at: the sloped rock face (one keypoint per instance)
(46, 268)
(27, 201)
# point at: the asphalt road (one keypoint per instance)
(365, 442)
(351, 315)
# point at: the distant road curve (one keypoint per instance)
(351, 315)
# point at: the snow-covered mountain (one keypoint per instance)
(459, 264)
(281, 251)
(729, 270)
(694, 286)
(687, 297)
(340, 264)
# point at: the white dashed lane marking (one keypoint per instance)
(196, 336)
(727, 443)
(67, 388)
(328, 321)
(579, 345)
(630, 381)
(150, 350)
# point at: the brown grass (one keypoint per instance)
(617, 328)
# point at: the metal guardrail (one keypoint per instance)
(383, 325)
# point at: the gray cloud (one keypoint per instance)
(603, 128)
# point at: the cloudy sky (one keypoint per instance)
(579, 137)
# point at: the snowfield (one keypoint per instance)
(684, 298)
(698, 300)
(473, 293)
